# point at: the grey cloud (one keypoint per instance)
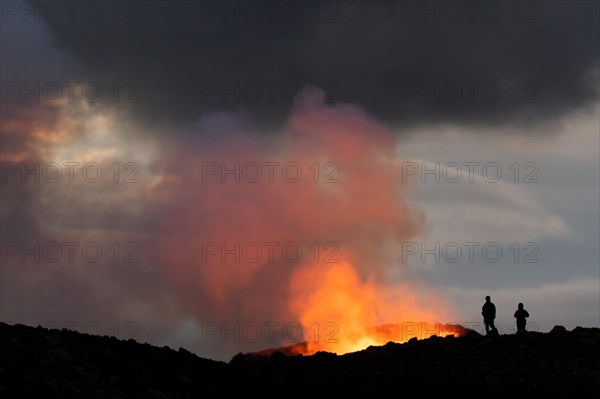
(372, 53)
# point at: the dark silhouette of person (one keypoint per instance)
(489, 314)
(520, 315)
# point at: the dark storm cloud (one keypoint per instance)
(383, 55)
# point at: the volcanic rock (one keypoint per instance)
(37, 362)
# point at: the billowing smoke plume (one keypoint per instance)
(231, 230)
(295, 228)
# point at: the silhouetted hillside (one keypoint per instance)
(37, 362)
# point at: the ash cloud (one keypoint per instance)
(356, 203)
(371, 53)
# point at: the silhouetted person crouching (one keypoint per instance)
(489, 314)
(520, 315)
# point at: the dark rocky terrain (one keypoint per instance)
(37, 362)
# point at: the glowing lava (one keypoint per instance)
(342, 313)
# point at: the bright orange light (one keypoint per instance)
(342, 313)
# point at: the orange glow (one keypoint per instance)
(342, 313)
(364, 212)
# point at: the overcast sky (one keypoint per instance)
(447, 127)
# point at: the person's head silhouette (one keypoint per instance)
(487, 298)
(520, 306)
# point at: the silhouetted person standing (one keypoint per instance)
(520, 315)
(489, 314)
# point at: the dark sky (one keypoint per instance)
(190, 82)
(378, 54)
